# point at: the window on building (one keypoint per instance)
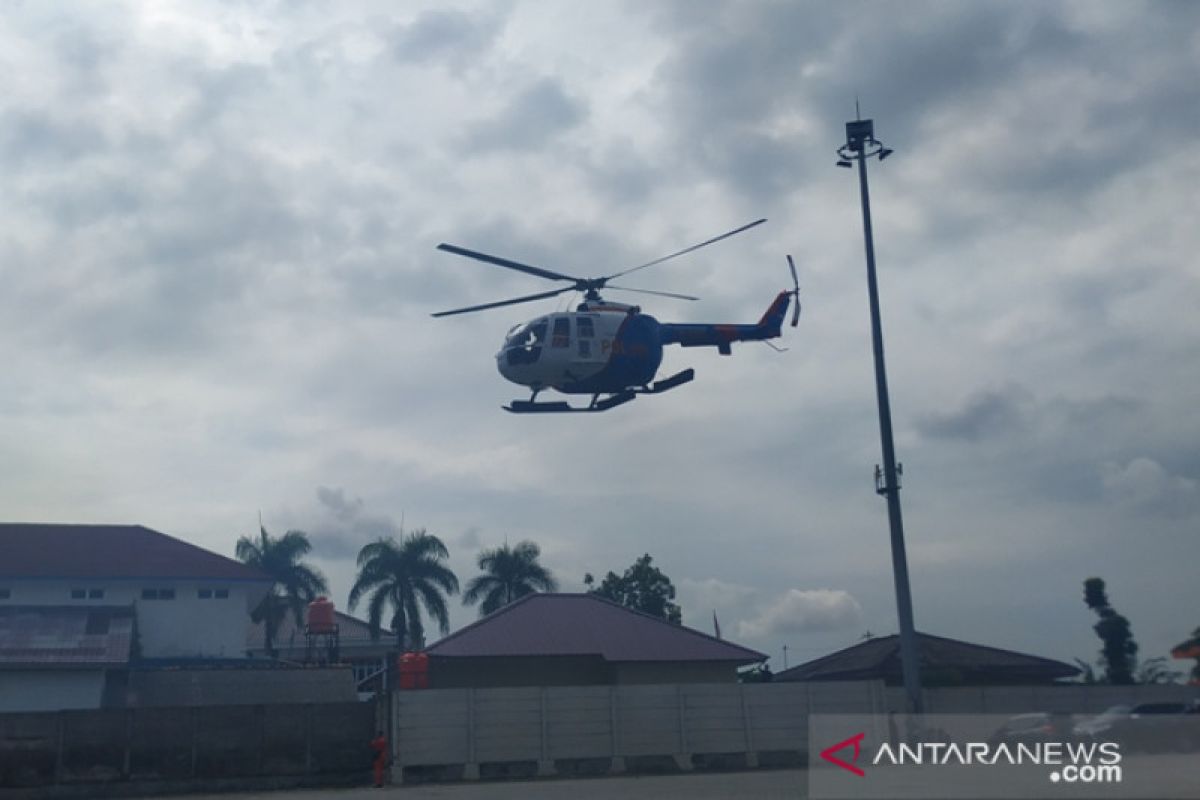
(204, 594)
(79, 594)
(5, 594)
(95, 594)
(366, 669)
(158, 594)
(221, 594)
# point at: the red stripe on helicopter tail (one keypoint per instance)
(776, 309)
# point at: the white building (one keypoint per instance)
(77, 601)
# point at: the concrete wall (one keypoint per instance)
(548, 730)
(552, 726)
(50, 690)
(178, 745)
(1075, 699)
(185, 626)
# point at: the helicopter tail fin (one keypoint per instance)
(771, 324)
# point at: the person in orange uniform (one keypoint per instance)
(379, 747)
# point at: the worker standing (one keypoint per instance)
(379, 746)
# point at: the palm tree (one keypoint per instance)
(405, 576)
(295, 584)
(509, 573)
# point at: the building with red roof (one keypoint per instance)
(580, 639)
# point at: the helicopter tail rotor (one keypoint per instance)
(795, 292)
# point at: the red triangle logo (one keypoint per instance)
(856, 742)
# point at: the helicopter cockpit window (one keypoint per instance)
(524, 346)
(562, 332)
(585, 327)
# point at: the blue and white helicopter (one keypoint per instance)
(610, 351)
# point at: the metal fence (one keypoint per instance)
(181, 745)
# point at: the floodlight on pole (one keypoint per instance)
(861, 145)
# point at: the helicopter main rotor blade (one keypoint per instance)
(513, 302)
(652, 291)
(690, 249)
(504, 262)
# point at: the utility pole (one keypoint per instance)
(861, 145)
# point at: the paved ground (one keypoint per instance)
(760, 785)
(1159, 776)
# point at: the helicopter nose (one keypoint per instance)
(502, 364)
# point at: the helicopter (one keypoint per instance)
(609, 350)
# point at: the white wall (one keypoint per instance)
(50, 690)
(544, 724)
(184, 626)
(471, 726)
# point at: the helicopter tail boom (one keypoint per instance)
(722, 336)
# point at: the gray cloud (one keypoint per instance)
(800, 611)
(348, 526)
(534, 118)
(445, 34)
(990, 413)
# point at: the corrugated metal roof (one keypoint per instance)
(880, 658)
(65, 636)
(110, 551)
(583, 624)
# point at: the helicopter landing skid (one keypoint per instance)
(612, 401)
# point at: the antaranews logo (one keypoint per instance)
(1070, 762)
(854, 741)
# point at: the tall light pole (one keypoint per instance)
(861, 145)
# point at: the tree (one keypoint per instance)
(1118, 655)
(509, 573)
(643, 588)
(294, 586)
(1156, 670)
(1087, 673)
(405, 576)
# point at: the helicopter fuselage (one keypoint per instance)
(602, 349)
(610, 347)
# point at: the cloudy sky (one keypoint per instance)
(217, 261)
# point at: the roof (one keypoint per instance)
(351, 632)
(880, 658)
(1188, 649)
(110, 551)
(65, 636)
(584, 624)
